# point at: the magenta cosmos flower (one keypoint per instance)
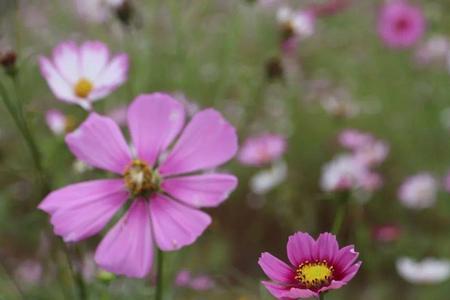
(400, 24)
(262, 149)
(316, 266)
(83, 74)
(165, 188)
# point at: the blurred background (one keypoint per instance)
(358, 96)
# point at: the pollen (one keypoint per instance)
(140, 179)
(83, 88)
(314, 275)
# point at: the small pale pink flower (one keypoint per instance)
(387, 233)
(418, 191)
(56, 121)
(342, 173)
(353, 139)
(183, 278)
(29, 272)
(261, 150)
(366, 148)
(202, 283)
(401, 24)
(83, 74)
(165, 185)
(316, 266)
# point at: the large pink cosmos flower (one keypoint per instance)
(400, 24)
(165, 187)
(83, 74)
(316, 266)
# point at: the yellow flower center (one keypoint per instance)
(314, 275)
(140, 179)
(83, 88)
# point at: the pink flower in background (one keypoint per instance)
(166, 188)
(316, 266)
(186, 279)
(427, 271)
(83, 74)
(202, 283)
(418, 191)
(447, 183)
(342, 173)
(263, 149)
(29, 272)
(353, 139)
(401, 24)
(58, 122)
(387, 233)
(366, 148)
(300, 23)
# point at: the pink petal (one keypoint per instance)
(208, 141)
(94, 57)
(295, 293)
(99, 143)
(154, 121)
(300, 247)
(275, 289)
(327, 246)
(82, 210)
(113, 75)
(208, 190)
(345, 258)
(59, 86)
(67, 61)
(79, 192)
(127, 248)
(336, 284)
(176, 225)
(276, 269)
(351, 272)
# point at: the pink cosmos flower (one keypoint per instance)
(366, 148)
(165, 186)
(58, 123)
(262, 149)
(83, 74)
(387, 233)
(401, 24)
(418, 191)
(316, 266)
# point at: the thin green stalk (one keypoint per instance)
(13, 280)
(342, 206)
(75, 274)
(321, 296)
(159, 276)
(338, 219)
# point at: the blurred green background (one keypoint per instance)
(215, 54)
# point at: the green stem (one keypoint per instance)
(13, 280)
(159, 276)
(339, 218)
(321, 296)
(75, 274)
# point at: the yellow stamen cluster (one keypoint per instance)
(315, 274)
(140, 179)
(83, 88)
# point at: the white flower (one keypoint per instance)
(429, 270)
(343, 172)
(266, 180)
(418, 191)
(302, 23)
